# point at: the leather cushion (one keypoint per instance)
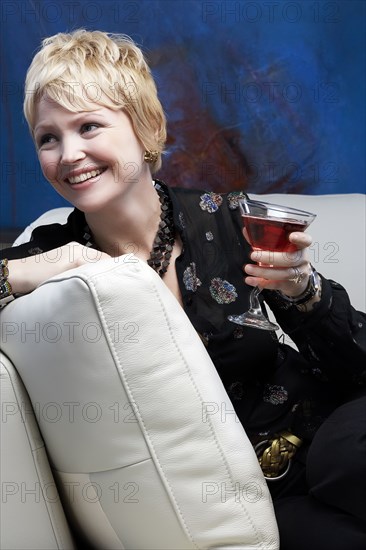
(139, 429)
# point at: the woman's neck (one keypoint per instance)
(128, 226)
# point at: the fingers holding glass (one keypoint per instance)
(290, 280)
(275, 234)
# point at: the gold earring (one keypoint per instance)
(151, 156)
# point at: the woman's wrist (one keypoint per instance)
(309, 297)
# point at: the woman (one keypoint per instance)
(99, 130)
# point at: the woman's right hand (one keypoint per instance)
(26, 274)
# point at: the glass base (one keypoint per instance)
(253, 320)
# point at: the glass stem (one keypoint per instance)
(254, 301)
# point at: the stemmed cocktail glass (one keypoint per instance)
(268, 227)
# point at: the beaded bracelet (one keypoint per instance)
(6, 291)
(4, 269)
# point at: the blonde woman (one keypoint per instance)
(99, 131)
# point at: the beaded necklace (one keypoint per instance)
(163, 244)
(162, 247)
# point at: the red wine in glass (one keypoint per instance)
(268, 227)
(272, 233)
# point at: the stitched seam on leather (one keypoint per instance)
(226, 465)
(259, 543)
(137, 413)
(112, 469)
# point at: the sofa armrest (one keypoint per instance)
(139, 429)
(31, 512)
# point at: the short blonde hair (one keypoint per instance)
(87, 67)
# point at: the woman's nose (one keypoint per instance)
(72, 151)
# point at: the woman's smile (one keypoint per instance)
(80, 176)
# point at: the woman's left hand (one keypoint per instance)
(285, 271)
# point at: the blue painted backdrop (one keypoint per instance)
(262, 95)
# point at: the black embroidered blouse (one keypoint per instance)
(272, 386)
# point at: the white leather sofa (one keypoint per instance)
(128, 438)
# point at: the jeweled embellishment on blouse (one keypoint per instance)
(190, 279)
(210, 202)
(223, 291)
(209, 236)
(182, 221)
(275, 395)
(233, 198)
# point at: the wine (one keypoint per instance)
(268, 227)
(272, 233)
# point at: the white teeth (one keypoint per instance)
(84, 177)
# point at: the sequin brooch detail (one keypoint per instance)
(190, 279)
(210, 202)
(233, 199)
(223, 291)
(275, 395)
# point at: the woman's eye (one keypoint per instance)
(47, 138)
(89, 127)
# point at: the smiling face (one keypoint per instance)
(91, 158)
